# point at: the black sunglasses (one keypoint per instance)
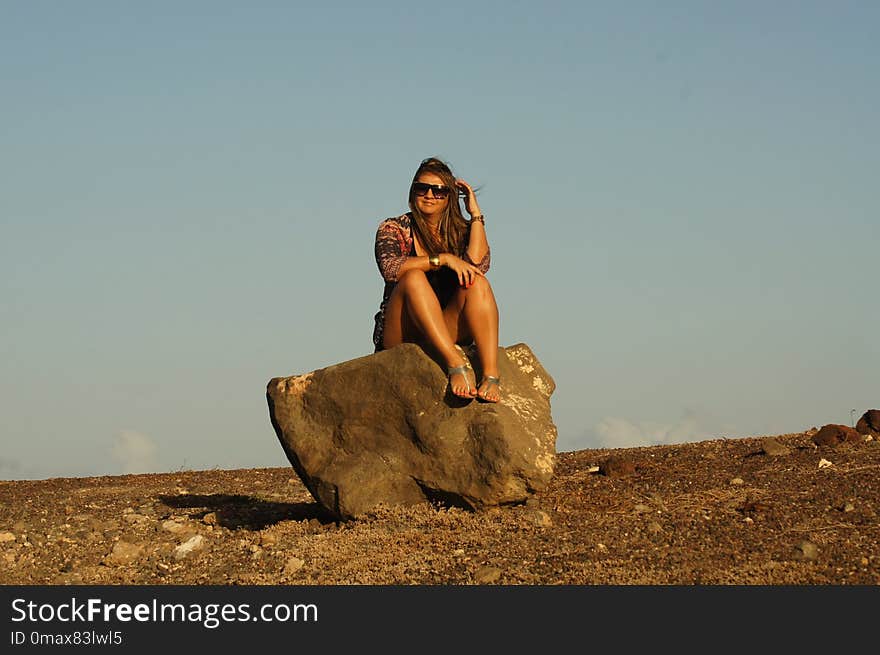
(421, 189)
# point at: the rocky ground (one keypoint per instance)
(751, 511)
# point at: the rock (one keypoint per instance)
(833, 434)
(869, 423)
(386, 429)
(293, 565)
(175, 527)
(617, 467)
(487, 575)
(737, 481)
(539, 518)
(191, 545)
(806, 550)
(773, 448)
(135, 518)
(123, 552)
(6, 536)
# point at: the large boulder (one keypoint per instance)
(386, 429)
(869, 423)
(834, 434)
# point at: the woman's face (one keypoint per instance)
(425, 200)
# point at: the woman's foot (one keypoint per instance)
(462, 380)
(490, 389)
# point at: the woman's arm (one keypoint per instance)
(393, 244)
(478, 246)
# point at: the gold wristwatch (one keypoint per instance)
(434, 261)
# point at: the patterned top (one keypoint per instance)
(394, 243)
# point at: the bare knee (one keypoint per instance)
(411, 280)
(479, 291)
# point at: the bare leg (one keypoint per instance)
(414, 315)
(473, 314)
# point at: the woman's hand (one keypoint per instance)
(466, 273)
(470, 200)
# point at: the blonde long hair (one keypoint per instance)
(453, 226)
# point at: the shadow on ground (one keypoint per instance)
(236, 512)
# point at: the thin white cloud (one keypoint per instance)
(135, 452)
(615, 432)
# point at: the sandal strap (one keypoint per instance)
(491, 379)
(462, 371)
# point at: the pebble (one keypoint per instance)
(6, 536)
(737, 481)
(774, 448)
(173, 526)
(292, 565)
(123, 552)
(487, 574)
(193, 544)
(541, 519)
(641, 508)
(807, 550)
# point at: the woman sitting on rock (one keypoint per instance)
(436, 293)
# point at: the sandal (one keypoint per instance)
(466, 371)
(489, 380)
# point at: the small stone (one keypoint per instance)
(617, 467)
(268, 538)
(123, 552)
(773, 448)
(292, 565)
(173, 526)
(540, 518)
(210, 518)
(191, 545)
(737, 481)
(6, 536)
(824, 464)
(642, 508)
(602, 548)
(487, 574)
(807, 550)
(864, 561)
(849, 507)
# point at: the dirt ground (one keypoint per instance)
(718, 512)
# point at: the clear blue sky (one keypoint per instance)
(681, 199)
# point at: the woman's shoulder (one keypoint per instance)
(402, 222)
